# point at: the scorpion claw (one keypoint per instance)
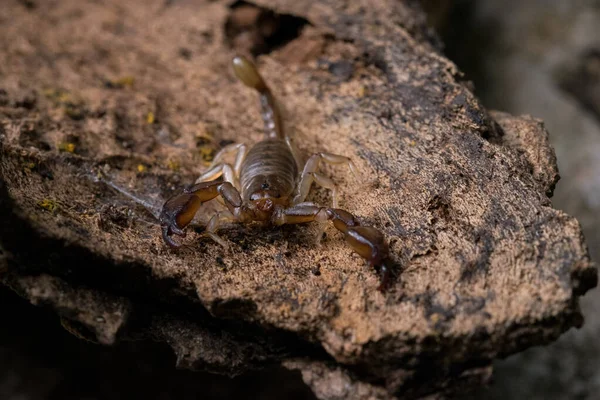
(168, 231)
(369, 243)
(166, 234)
(170, 227)
(176, 214)
(175, 230)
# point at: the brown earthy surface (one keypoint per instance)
(541, 57)
(140, 95)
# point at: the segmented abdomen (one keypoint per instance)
(270, 162)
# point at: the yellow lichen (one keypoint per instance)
(207, 154)
(58, 95)
(362, 91)
(72, 107)
(67, 146)
(48, 205)
(141, 168)
(206, 148)
(150, 118)
(122, 82)
(28, 167)
(173, 165)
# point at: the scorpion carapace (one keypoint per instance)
(264, 184)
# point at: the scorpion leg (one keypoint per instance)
(325, 182)
(310, 175)
(239, 160)
(214, 224)
(179, 210)
(294, 149)
(226, 170)
(234, 148)
(239, 149)
(367, 241)
(230, 173)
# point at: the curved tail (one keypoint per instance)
(247, 72)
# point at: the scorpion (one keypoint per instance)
(264, 185)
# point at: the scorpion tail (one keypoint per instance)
(247, 72)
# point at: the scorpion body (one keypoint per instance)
(268, 165)
(264, 184)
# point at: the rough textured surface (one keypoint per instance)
(102, 315)
(50, 363)
(541, 57)
(139, 96)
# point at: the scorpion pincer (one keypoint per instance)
(264, 184)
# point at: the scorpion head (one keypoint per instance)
(265, 200)
(266, 196)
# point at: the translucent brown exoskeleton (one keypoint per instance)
(266, 183)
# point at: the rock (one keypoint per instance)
(63, 366)
(541, 57)
(98, 314)
(486, 267)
